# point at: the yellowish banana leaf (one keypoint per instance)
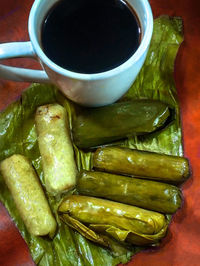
(122, 222)
(18, 135)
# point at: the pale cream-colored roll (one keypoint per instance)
(28, 195)
(55, 148)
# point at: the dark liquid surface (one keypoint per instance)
(90, 36)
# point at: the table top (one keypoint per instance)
(181, 247)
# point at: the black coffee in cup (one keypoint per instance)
(90, 36)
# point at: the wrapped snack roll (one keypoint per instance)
(28, 195)
(55, 148)
(122, 222)
(143, 164)
(146, 194)
(93, 127)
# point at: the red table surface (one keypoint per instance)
(182, 245)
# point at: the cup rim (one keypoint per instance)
(96, 76)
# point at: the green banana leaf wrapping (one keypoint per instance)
(118, 121)
(143, 164)
(18, 135)
(123, 222)
(146, 194)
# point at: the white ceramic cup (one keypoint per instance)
(86, 89)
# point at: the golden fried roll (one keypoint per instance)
(55, 148)
(28, 195)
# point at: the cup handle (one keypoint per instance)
(20, 49)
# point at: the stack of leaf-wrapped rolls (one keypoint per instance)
(120, 202)
(123, 199)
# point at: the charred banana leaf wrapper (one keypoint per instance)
(147, 194)
(143, 164)
(97, 126)
(124, 223)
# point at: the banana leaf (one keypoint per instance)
(119, 120)
(18, 135)
(123, 222)
(147, 194)
(143, 164)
